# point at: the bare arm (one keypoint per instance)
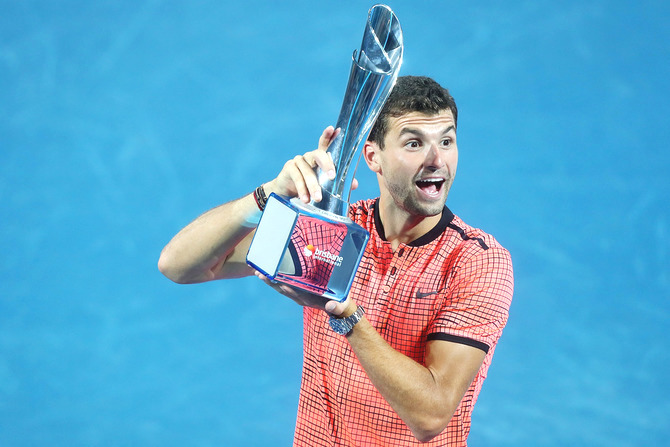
(214, 246)
(424, 397)
(211, 246)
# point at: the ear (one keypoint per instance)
(371, 154)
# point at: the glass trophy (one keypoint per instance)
(316, 247)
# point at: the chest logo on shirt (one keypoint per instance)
(421, 295)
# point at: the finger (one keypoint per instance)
(335, 134)
(295, 170)
(336, 308)
(264, 278)
(324, 161)
(311, 181)
(281, 288)
(354, 183)
(327, 136)
(289, 292)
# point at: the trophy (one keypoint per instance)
(315, 246)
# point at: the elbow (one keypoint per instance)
(427, 429)
(168, 268)
(181, 273)
(427, 434)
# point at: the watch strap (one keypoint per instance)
(343, 326)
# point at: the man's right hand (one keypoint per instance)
(298, 177)
(215, 244)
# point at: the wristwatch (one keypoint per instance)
(344, 325)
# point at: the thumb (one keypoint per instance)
(337, 309)
(331, 306)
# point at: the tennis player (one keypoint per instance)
(417, 333)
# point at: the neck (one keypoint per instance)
(401, 227)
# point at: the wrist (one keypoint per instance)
(344, 325)
(348, 311)
(260, 197)
(271, 187)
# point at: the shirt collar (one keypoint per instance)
(430, 236)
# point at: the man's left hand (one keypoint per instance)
(306, 299)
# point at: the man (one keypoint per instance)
(432, 294)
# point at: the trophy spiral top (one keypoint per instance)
(374, 70)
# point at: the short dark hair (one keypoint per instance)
(412, 94)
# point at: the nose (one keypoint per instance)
(434, 157)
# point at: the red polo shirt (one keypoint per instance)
(455, 284)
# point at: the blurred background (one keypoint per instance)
(121, 121)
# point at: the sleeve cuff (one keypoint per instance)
(456, 339)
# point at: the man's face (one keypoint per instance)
(418, 163)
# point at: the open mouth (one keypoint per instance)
(431, 187)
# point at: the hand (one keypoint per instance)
(298, 177)
(306, 299)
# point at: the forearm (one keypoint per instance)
(214, 245)
(412, 390)
(197, 253)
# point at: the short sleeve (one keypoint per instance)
(479, 292)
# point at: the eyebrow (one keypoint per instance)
(411, 130)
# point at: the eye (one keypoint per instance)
(447, 142)
(413, 144)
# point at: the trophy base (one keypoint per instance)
(307, 248)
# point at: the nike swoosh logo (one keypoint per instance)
(421, 295)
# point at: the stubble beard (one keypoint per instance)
(409, 201)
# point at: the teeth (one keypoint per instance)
(431, 180)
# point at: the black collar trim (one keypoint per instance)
(445, 220)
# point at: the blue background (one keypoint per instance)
(120, 121)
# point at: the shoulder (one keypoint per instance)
(475, 239)
(474, 254)
(362, 211)
(480, 282)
